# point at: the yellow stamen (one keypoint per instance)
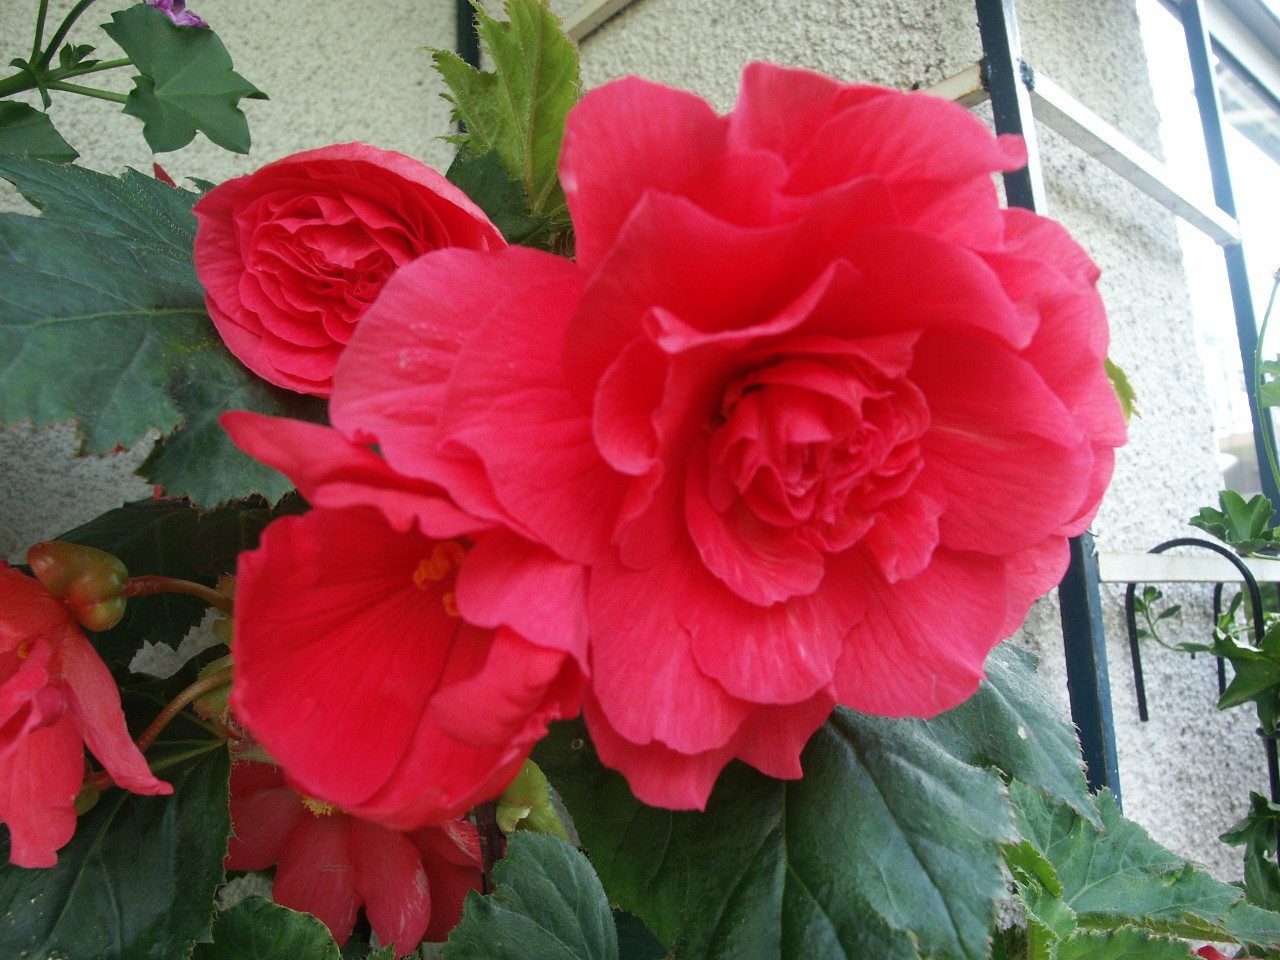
(24, 649)
(445, 558)
(318, 807)
(450, 602)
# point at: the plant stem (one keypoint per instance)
(87, 91)
(102, 780)
(148, 585)
(41, 13)
(180, 703)
(98, 67)
(63, 29)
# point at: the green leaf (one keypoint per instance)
(182, 463)
(485, 180)
(1269, 387)
(1124, 389)
(186, 82)
(169, 538)
(519, 109)
(888, 848)
(257, 929)
(1117, 876)
(547, 903)
(1126, 944)
(1256, 674)
(27, 131)
(102, 320)
(635, 940)
(1243, 525)
(1257, 834)
(1011, 725)
(136, 881)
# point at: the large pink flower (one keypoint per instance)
(292, 254)
(330, 864)
(818, 414)
(56, 696)
(400, 675)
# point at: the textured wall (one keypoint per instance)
(340, 71)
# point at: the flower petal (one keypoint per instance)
(331, 471)
(94, 702)
(264, 813)
(39, 781)
(315, 873)
(607, 166)
(920, 648)
(390, 880)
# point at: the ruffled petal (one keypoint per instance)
(607, 166)
(331, 471)
(921, 647)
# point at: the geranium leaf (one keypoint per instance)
(1117, 875)
(1257, 834)
(125, 346)
(887, 848)
(138, 878)
(27, 131)
(186, 82)
(547, 903)
(1126, 944)
(519, 109)
(174, 539)
(1242, 524)
(257, 929)
(1012, 725)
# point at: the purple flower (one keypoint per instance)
(176, 10)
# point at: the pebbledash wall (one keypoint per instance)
(338, 71)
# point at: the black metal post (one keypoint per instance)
(1088, 684)
(468, 40)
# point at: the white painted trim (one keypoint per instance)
(1062, 113)
(586, 17)
(1180, 568)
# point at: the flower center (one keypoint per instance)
(318, 807)
(819, 445)
(438, 573)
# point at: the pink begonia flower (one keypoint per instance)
(411, 885)
(176, 10)
(816, 412)
(56, 697)
(1213, 953)
(399, 675)
(292, 254)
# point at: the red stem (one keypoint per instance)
(145, 586)
(100, 781)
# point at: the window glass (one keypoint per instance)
(1252, 135)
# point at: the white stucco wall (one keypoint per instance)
(339, 71)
